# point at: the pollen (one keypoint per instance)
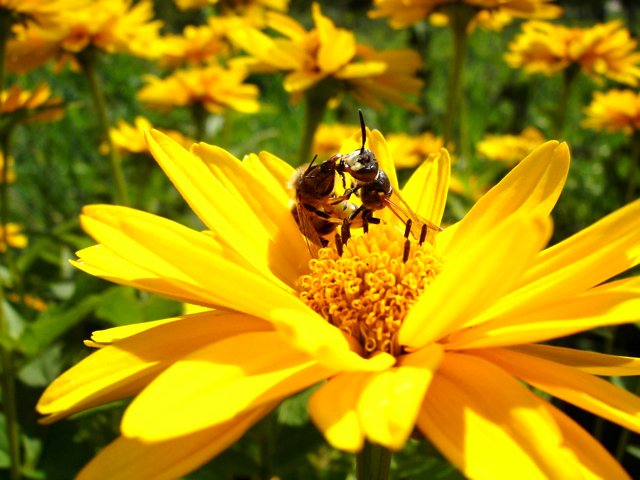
(367, 287)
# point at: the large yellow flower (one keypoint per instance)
(114, 26)
(14, 237)
(216, 88)
(330, 53)
(604, 50)
(510, 149)
(615, 110)
(131, 138)
(492, 14)
(438, 337)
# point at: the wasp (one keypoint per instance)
(316, 209)
(372, 185)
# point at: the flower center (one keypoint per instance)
(367, 285)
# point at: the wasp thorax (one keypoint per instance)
(367, 286)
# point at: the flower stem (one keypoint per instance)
(315, 106)
(570, 76)
(199, 115)
(633, 169)
(227, 130)
(6, 21)
(372, 463)
(460, 15)
(87, 59)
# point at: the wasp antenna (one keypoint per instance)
(311, 164)
(339, 244)
(407, 229)
(423, 234)
(364, 131)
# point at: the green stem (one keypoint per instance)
(570, 76)
(460, 14)
(373, 462)
(199, 115)
(227, 130)
(315, 106)
(633, 169)
(87, 59)
(6, 21)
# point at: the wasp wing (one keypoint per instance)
(401, 209)
(305, 223)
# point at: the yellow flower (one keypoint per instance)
(30, 106)
(114, 26)
(234, 6)
(40, 11)
(461, 316)
(216, 88)
(197, 46)
(410, 151)
(328, 139)
(13, 237)
(130, 138)
(615, 110)
(492, 14)
(11, 174)
(604, 50)
(510, 149)
(330, 53)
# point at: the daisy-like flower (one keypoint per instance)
(131, 138)
(197, 46)
(228, 6)
(329, 138)
(604, 50)
(215, 87)
(330, 53)
(113, 26)
(29, 106)
(493, 14)
(615, 110)
(40, 11)
(11, 174)
(434, 335)
(510, 149)
(409, 151)
(12, 235)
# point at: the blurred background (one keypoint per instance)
(63, 164)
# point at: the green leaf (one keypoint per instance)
(15, 323)
(43, 369)
(53, 323)
(5, 458)
(120, 307)
(293, 410)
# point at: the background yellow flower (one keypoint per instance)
(13, 236)
(614, 110)
(510, 149)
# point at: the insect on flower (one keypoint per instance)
(315, 208)
(372, 185)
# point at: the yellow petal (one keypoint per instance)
(594, 461)
(218, 382)
(573, 386)
(426, 190)
(125, 368)
(337, 45)
(580, 262)
(533, 186)
(588, 362)
(301, 80)
(116, 334)
(128, 458)
(361, 69)
(286, 253)
(265, 48)
(326, 343)
(172, 251)
(102, 262)
(277, 171)
(600, 306)
(490, 426)
(379, 406)
(286, 25)
(498, 258)
(227, 215)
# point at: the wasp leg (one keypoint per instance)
(315, 211)
(355, 214)
(347, 195)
